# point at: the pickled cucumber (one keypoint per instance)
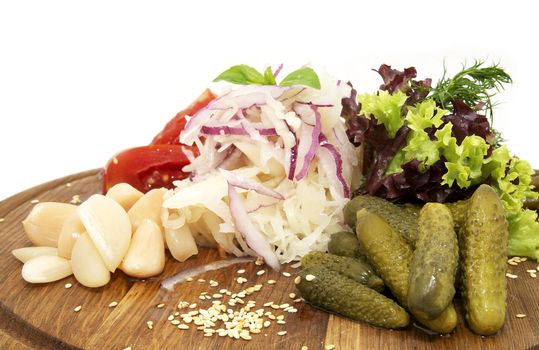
(432, 271)
(353, 268)
(402, 220)
(391, 256)
(483, 249)
(458, 211)
(344, 244)
(335, 292)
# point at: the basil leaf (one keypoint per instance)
(303, 76)
(242, 75)
(269, 77)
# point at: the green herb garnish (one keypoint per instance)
(473, 85)
(245, 75)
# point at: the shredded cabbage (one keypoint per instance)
(310, 208)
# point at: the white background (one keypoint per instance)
(80, 81)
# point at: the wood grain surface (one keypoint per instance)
(43, 316)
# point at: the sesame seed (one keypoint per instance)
(310, 277)
(246, 336)
(68, 184)
(241, 271)
(281, 321)
(531, 271)
(201, 280)
(330, 347)
(296, 265)
(512, 263)
(511, 275)
(297, 280)
(520, 315)
(189, 279)
(286, 274)
(113, 304)
(269, 303)
(78, 308)
(160, 306)
(267, 324)
(75, 199)
(170, 317)
(217, 296)
(261, 272)
(2, 219)
(281, 333)
(149, 324)
(272, 281)
(292, 295)
(68, 285)
(183, 326)
(175, 322)
(34, 201)
(304, 347)
(523, 259)
(297, 300)
(533, 275)
(259, 261)
(193, 305)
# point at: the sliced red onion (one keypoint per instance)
(313, 140)
(314, 104)
(227, 130)
(248, 184)
(338, 164)
(193, 125)
(278, 70)
(254, 239)
(249, 95)
(170, 282)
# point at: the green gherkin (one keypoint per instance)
(432, 271)
(344, 244)
(335, 292)
(391, 256)
(356, 269)
(483, 250)
(403, 220)
(459, 210)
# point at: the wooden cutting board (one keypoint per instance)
(43, 316)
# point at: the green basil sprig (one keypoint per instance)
(245, 75)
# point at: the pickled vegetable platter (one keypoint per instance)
(43, 316)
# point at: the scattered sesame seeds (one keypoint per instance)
(297, 300)
(68, 285)
(330, 347)
(175, 322)
(296, 265)
(189, 279)
(272, 281)
(281, 333)
(241, 280)
(149, 324)
(128, 348)
(241, 271)
(2, 219)
(310, 277)
(531, 271)
(200, 280)
(78, 308)
(533, 275)
(520, 315)
(183, 326)
(297, 280)
(286, 274)
(160, 305)
(304, 347)
(259, 261)
(261, 272)
(34, 201)
(510, 275)
(292, 295)
(68, 184)
(213, 283)
(113, 304)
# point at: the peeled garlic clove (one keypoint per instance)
(46, 268)
(148, 206)
(71, 231)
(181, 243)
(125, 194)
(27, 253)
(109, 228)
(146, 254)
(45, 221)
(88, 265)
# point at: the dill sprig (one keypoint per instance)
(474, 85)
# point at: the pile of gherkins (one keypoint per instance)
(423, 255)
